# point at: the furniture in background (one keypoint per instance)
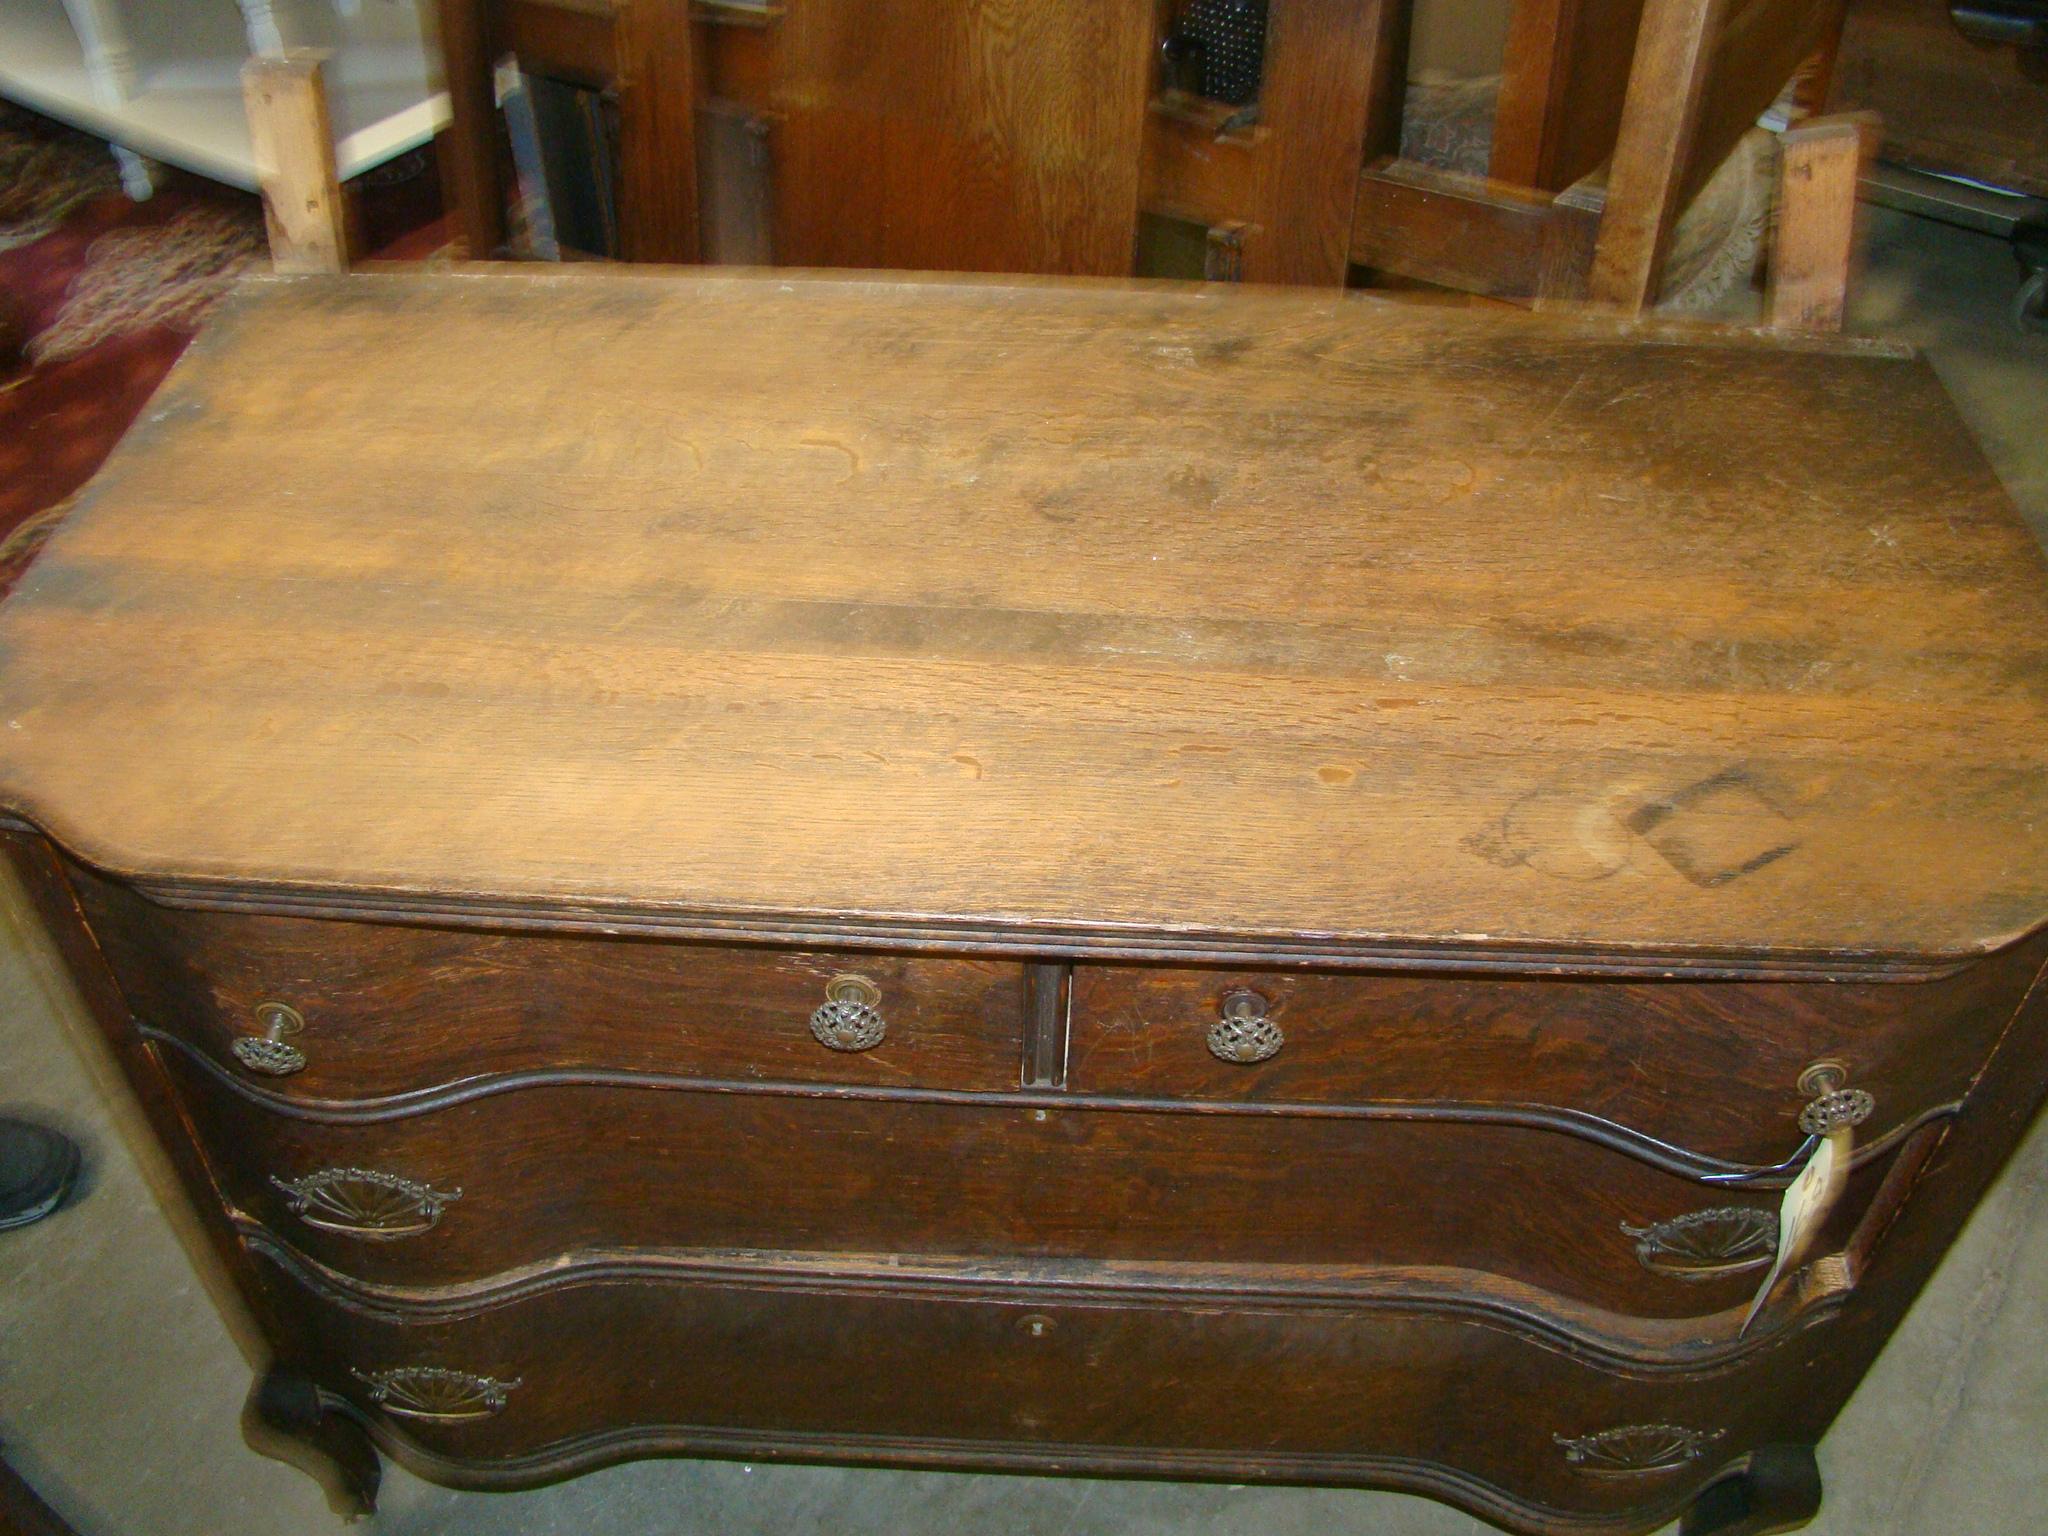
(160, 78)
(1964, 91)
(1015, 137)
(1613, 114)
(1955, 101)
(1272, 892)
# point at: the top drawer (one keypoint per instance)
(1710, 1067)
(387, 1009)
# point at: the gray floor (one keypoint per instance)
(120, 1385)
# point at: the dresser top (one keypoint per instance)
(1067, 616)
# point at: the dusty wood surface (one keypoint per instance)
(1034, 612)
(293, 138)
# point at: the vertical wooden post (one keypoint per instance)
(1335, 76)
(1659, 117)
(286, 100)
(1815, 248)
(657, 132)
(469, 152)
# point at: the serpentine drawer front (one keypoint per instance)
(1165, 880)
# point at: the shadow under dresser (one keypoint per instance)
(1075, 877)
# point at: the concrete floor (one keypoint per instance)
(120, 1386)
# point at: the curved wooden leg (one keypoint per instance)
(286, 1418)
(1778, 1489)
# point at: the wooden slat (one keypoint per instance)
(1191, 174)
(293, 140)
(1469, 233)
(1646, 184)
(1331, 102)
(1815, 244)
(1030, 610)
(470, 152)
(1762, 45)
(1565, 74)
(657, 132)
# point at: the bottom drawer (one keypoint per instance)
(521, 1388)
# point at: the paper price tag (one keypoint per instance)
(1808, 1199)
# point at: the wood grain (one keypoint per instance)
(1564, 77)
(677, 1172)
(1711, 1067)
(1653, 155)
(960, 135)
(390, 1009)
(1469, 233)
(1814, 248)
(293, 141)
(1331, 101)
(1249, 616)
(866, 1376)
(657, 85)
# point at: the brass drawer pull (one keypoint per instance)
(269, 1053)
(435, 1392)
(850, 1018)
(1245, 1032)
(361, 1202)
(1833, 1106)
(1633, 1449)
(1705, 1245)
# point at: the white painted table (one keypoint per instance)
(160, 79)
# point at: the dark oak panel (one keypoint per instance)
(682, 1170)
(1712, 1067)
(392, 1009)
(879, 1374)
(960, 135)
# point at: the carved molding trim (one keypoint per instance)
(1633, 1449)
(1706, 1245)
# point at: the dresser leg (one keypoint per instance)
(330, 1445)
(1778, 1490)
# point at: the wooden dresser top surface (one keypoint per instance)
(1148, 619)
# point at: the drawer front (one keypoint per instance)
(525, 1390)
(382, 1009)
(1712, 1067)
(517, 1179)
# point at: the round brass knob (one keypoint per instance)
(1245, 1031)
(850, 1018)
(269, 1053)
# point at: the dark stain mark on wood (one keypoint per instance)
(1717, 830)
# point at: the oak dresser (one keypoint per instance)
(1085, 877)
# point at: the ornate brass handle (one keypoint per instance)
(361, 1202)
(1833, 1105)
(1245, 1032)
(269, 1053)
(435, 1392)
(1706, 1245)
(850, 1018)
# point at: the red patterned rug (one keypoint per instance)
(99, 295)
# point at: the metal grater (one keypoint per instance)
(1233, 38)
